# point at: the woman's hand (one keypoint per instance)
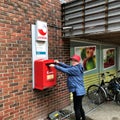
(56, 61)
(51, 65)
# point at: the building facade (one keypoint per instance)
(93, 28)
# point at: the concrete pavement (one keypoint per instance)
(106, 111)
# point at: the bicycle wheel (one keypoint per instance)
(118, 98)
(109, 95)
(96, 94)
(111, 90)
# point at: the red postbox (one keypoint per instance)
(44, 75)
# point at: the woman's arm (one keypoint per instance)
(63, 65)
(68, 70)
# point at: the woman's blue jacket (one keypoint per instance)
(75, 81)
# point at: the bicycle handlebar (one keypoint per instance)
(111, 74)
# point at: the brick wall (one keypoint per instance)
(18, 101)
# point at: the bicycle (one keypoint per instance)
(114, 88)
(98, 94)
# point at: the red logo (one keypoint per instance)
(43, 30)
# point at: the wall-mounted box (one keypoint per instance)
(44, 76)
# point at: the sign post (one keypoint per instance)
(39, 43)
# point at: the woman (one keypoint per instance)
(75, 83)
